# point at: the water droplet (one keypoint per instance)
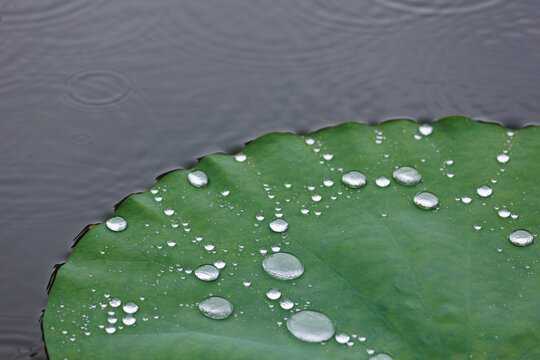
(328, 157)
(504, 213)
(466, 199)
(273, 294)
(168, 212)
(286, 304)
(283, 266)
(246, 283)
(425, 129)
(484, 191)
(220, 264)
(130, 307)
(381, 357)
(129, 320)
(354, 179)
(279, 225)
(171, 243)
(112, 320)
(310, 141)
(426, 200)
(116, 223)
(240, 157)
(328, 183)
(259, 217)
(382, 181)
(115, 302)
(316, 198)
(216, 307)
(207, 272)
(521, 238)
(503, 158)
(198, 178)
(310, 326)
(225, 192)
(342, 338)
(110, 329)
(407, 176)
(477, 227)
(209, 247)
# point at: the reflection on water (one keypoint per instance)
(99, 97)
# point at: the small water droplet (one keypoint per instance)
(259, 217)
(310, 141)
(342, 338)
(273, 294)
(316, 198)
(310, 326)
(130, 307)
(279, 225)
(477, 227)
(220, 264)
(283, 266)
(168, 212)
(207, 272)
(503, 158)
(110, 329)
(209, 247)
(216, 307)
(466, 199)
(328, 183)
(381, 357)
(504, 213)
(484, 191)
(286, 304)
(240, 157)
(382, 181)
(425, 129)
(171, 243)
(328, 156)
(426, 200)
(354, 179)
(116, 223)
(129, 320)
(198, 178)
(407, 176)
(521, 238)
(115, 302)
(225, 192)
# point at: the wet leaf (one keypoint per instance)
(415, 282)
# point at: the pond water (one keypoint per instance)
(99, 97)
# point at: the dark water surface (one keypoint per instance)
(99, 97)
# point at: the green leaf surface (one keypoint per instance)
(417, 284)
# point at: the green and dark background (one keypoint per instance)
(97, 98)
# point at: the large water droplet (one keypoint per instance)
(503, 158)
(310, 326)
(426, 200)
(407, 176)
(484, 191)
(354, 179)
(207, 272)
(198, 178)
(521, 238)
(273, 294)
(425, 129)
(382, 181)
(115, 302)
(130, 307)
(129, 320)
(116, 223)
(283, 266)
(381, 357)
(216, 307)
(279, 225)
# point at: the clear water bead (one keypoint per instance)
(216, 307)
(328, 183)
(115, 302)
(273, 294)
(129, 320)
(310, 326)
(426, 200)
(484, 191)
(504, 213)
(354, 179)
(521, 238)
(286, 304)
(116, 223)
(198, 178)
(382, 181)
(503, 158)
(130, 307)
(310, 141)
(220, 264)
(240, 157)
(407, 176)
(342, 338)
(316, 198)
(425, 129)
(110, 329)
(283, 266)
(207, 273)
(279, 225)
(381, 357)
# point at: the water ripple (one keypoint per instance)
(439, 7)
